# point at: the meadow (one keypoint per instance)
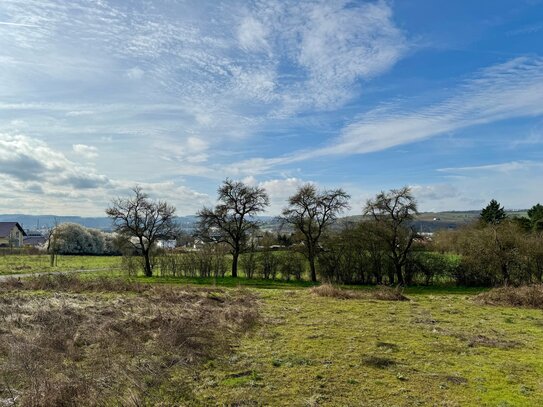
(32, 263)
(251, 342)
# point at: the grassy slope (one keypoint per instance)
(444, 349)
(19, 264)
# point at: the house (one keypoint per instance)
(11, 234)
(34, 240)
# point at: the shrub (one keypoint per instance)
(530, 296)
(292, 265)
(249, 263)
(385, 293)
(269, 264)
(328, 290)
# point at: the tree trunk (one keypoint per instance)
(312, 268)
(235, 256)
(399, 273)
(148, 269)
(505, 274)
(390, 277)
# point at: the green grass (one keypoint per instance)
(226, 281)
(21, 264)
(438, 349)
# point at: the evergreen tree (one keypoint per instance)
(536, 216)
(493, 213)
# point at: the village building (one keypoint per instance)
(11, 234)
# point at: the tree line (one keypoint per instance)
(381, 248)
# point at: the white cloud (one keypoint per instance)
(85, 151)
(38, 179)
(279, 190)
(515, 184)
(507, 167)
(510, 90)
(341, 44)
(252, 35)
(135, 73)
(28, 159)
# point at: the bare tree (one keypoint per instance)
(143, 220)
(232, 220)
(311, 212)
(392, 211)
(52, 243)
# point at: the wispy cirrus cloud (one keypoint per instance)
(513, 89)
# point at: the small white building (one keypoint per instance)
(166, 244)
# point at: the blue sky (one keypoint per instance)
(99, 95)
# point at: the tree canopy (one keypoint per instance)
(311, 212)
(232, 219)
(493, 213)
(143, 221)
(391, 211)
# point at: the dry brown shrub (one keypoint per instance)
(67, 341)
(328, 290)
(382, 293)
(529, 296)
(385, 293)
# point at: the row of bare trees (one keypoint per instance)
(310, 213)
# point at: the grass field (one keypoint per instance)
(21, 264)
(441, 348)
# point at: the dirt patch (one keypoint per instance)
(489, 342)
(378, 362)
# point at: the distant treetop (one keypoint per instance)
(493, 213)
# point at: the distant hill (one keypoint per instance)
(433, 221)
(33, 222)
(425, 222)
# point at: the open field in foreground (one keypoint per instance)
(438, 349)
(21, 264)
(151, 345)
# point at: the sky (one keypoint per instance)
(97, 96)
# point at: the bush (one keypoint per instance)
(292, 265)
(328, 290)
(72, 238)
(249, 263)
(269, 264)
(530, 296)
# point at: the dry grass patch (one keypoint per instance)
(329, 290)
(382, 293)
(530, 296)
(110, 342)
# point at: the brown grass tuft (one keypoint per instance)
(382, 293)
(328, 290)
(385, 293)
(67, 341)
(530, 296)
